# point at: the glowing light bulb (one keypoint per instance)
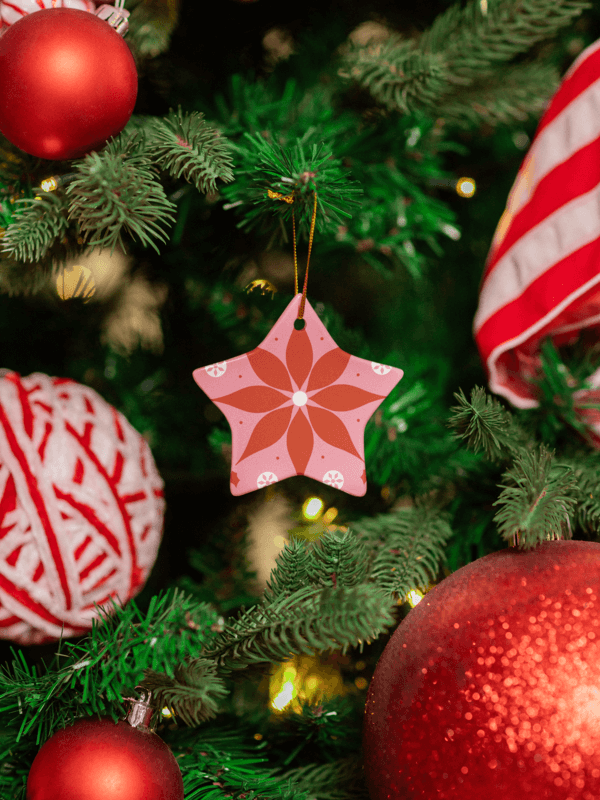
(166, 712)
(414, 597)
(330, 515)
(312, 508)
(288, 689)
(49, 185)
(465, 187)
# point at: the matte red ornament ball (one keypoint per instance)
(490, 687)
(98, 759)
(68, 82)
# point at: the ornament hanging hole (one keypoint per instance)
(299, 324)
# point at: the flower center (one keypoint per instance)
(299, 399)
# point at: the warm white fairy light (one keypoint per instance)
(312, 508)
(414, 597)
(287, 691)
(330, 515)
(465, 187)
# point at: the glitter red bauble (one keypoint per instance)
(68, 82)
(81, 508)
(490, 687)
(98, 759)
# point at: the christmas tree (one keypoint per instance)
(376, 144)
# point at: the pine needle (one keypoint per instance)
(186, 145)
(40, 220)
(484, 424)
(463, 46)
(306, 621)
(117, 191)
(537, 502)
(406, 546)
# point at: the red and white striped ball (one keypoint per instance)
(81, 507)
(13, 10)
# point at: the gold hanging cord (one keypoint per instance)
(290, 199)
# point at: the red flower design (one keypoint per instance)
(293, 385)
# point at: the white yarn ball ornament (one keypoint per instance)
(81, 507)
(13, 11)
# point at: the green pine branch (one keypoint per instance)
(586, 472)
(41, 220)
(565, 394)
(520, 92)
(484, 424)
(22, 277)
(463, 46)
(193, 693)
(406, 547)
(94, 675)
(537, 500)
(340, 780)
(290, 572)
(406, 439)
(307, 621)
(16, 758)
(295, 172)
(330, 726)
(219, 762)
(186, 145)
(397, 210)
(116, 191)
(337, 559)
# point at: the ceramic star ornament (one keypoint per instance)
(297, 405)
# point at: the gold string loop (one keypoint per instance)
(290, 199)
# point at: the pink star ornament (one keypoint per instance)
(297, 405)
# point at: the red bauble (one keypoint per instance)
(97, 759)
(491, 685)
(68, 83)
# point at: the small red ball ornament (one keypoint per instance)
(68, 82)
(490, 687)
(98, 759)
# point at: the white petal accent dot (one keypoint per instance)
(334, 478)
(266, 479)
(216, 370)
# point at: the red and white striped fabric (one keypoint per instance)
(81, 507)
(542, 275)
(13, 10)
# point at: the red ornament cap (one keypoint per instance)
(142, 710)
(117, 18)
